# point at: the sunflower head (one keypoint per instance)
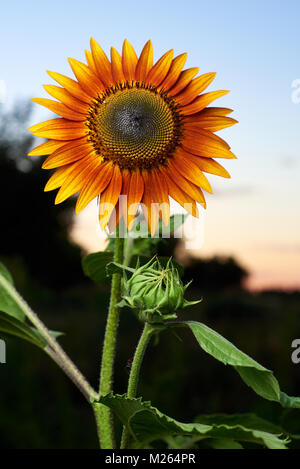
(134, 126)
(155, 292)
(135, 129)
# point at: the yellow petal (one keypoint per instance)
(209, 166)
(205, 146)
(159, 71)
(66, 98)
(60, 109)
(78, 178)
(202, 101)
(214, 111)
(71, 86)
(116, 66)
(123, 200)
(160, 194)
(185, 200)
(145, 62)
(102, 64)
(69, 153)
(190, 170)
(129, 61)
(187, 186)
(174, 72)
(98, 182)
(86, 78)
(204, 136)
(58, 178)
(46, 148)
(148, 206)
(90, 61)
(212, 123)
(196, 87)
(109, 197)
(184, 79)
(59, 129)
(135, 194)
(115, 218)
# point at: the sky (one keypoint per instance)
(254, 48)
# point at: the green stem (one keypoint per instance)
(53, 349)
(104, 417)
(128, 250)
(135, 371)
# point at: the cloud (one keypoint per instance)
(282, 248)
(289, 162)
(236, 191)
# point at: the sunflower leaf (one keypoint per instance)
(248, 420)
(146, 424)
(94, 265)
(13, 313)
(259, 378)
(289, 402)
(12, 326)
(7, 303)
(224, 444)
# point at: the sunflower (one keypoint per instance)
(132, 133)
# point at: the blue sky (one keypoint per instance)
(254, 48)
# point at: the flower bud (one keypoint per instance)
(155, 292)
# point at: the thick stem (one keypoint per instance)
(128, 250)
(135, 371)
(53, 348)
(104, 417)
(81, 384)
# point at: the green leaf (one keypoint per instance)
(263, 382)
(13, 313)
(249, 420)
(145, 246)
(146, 424)
(7, 303)
(12, 326)
(5, 273)
(260, 379)
(289, 402)
(94, 265)
(224, 444)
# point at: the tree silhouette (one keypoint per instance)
(216, 273)
(32, 227)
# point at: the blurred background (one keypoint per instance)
(247, 270)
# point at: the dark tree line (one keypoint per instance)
(32, 227)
